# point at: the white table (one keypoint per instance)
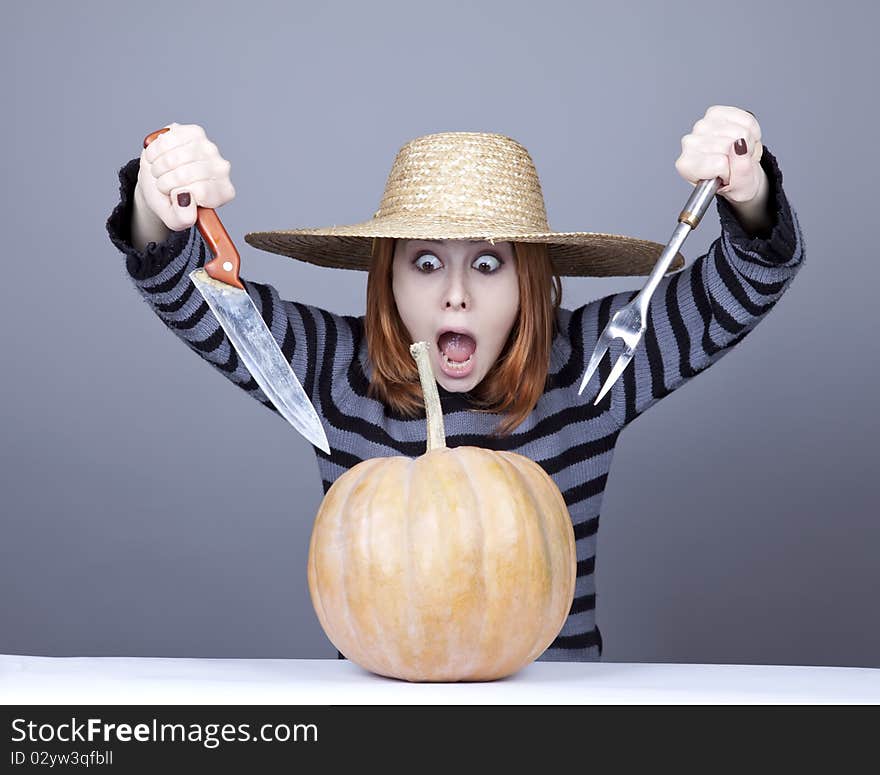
(30, 680)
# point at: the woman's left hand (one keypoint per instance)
(710, 151)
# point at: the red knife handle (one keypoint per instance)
(226, 262)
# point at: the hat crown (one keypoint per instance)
(477, 179)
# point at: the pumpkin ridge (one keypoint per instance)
(428, 467)
(340, 527)
(409, 560)
(314, 553)
(483, 575)
(504, 463)
(520, 467)
(566, 524)
(497, 463)
(385, 472)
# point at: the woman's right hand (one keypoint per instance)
(182, 161)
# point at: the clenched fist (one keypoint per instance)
(181, 162)
(713, 149)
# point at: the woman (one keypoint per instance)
(460, 255)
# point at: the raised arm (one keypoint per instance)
(699, 314)
(318, 344)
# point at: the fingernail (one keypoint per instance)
(740, 146)
(183, 199)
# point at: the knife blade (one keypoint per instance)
(219, 284)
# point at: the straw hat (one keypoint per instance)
(465, 185)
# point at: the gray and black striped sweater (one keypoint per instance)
(696, 316)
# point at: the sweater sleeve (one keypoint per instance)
(701, 312)
(318, 344)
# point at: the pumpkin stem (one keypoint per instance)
(433, 409)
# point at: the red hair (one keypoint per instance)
(517, 379)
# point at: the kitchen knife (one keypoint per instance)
(220, 286)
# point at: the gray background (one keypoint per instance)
(740, 519)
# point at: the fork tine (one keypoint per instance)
(595, 358)
(622, 362)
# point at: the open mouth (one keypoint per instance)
(457, 348)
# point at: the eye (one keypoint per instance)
(419, 264)
(485, 263)
(488, 260)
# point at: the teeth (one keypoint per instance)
(454, 365)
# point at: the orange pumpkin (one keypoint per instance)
(458, 565)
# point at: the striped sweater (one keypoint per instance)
(696, 316)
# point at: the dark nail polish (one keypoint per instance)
(183, 199)
(740, 146)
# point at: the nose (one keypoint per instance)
(457, 295)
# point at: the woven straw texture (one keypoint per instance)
(465, 185)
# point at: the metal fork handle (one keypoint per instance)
(688, 220)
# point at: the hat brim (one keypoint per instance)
(574, 254)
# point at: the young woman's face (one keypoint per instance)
(460, 285)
